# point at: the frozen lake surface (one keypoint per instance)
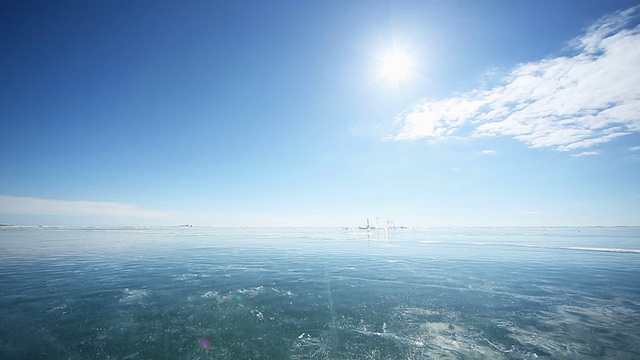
(207, 293)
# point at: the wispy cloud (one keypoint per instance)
(635, 148)
(489, 152)
(37, 206)
(566, 103)
(586, 153)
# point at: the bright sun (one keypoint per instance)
(396, 66)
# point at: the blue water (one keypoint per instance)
(470, 293)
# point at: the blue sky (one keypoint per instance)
(239, 113)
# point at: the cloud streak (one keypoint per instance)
(586, 153)
(37, 206)
(567, 103)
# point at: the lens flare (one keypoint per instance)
(205, 343)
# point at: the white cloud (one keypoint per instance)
(586, 153)
(489, 152)
(437, 119)
(37, 206)
(566, 103)
(635, 148)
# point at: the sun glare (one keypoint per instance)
(396, 66)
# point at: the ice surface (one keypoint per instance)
(319, 293)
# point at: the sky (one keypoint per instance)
(320, 113)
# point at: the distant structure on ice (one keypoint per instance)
(382, 224)
(365, 228)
